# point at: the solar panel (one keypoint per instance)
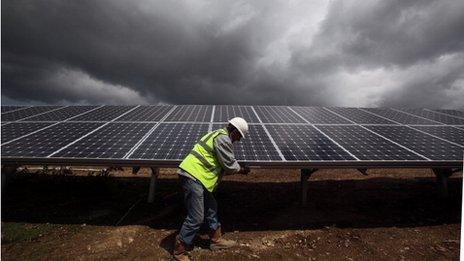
(105, 113)
(279, 135)
(45, 142)
(452, 112)
(367, 146)
(112, 141)
(21, 114)
(318, 115)
(359, 116)
(11, 108)
(146, 113)
(170, 141)
(400, 117)
(191, 113)
(426, 145)
(305, 143)
(450, 120)
(255, 147)
(277, 114)
(223, 113)
(445, 132)
(17, 129)
(61, 114)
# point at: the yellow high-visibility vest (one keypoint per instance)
(202, 163)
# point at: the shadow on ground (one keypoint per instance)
(244, 206)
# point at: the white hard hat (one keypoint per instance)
(240, 124)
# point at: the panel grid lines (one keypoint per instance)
(386, 138)
(72, 143)
(129, 153)
(269, 135)
(336, 143)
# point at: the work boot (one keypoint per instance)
(218, 242)
(180, 251)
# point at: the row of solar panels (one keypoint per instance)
(221, 113)
(281, 136)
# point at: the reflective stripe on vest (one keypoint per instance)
(202, 163)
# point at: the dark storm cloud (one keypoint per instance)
(255, 52)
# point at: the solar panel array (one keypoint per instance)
(279, 135)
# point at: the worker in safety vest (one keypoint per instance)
(200, 173)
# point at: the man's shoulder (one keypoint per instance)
(222, 139)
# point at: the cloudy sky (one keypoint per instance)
(395, 53)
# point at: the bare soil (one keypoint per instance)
(391, 214)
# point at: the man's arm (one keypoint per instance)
(225, 155)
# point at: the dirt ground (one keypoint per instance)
(391, 214)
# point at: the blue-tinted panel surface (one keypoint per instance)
(45, 142)
(256, 147)
(111, 141)
(426, 145)
(11, 108)
(223, 113)
(106, 113)
(445, 132)
(317, 115)
(17, 129)
(21, 114)
(450, 120)
(365, 145)
(61, 114)
(401, 117)
(360, 116)
(452, 112)
(305, 143)
(277, 114)
(146, 113)
(170, 141)
(192, 113)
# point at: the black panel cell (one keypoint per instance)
(146, 113)
(255, 147)
(223, 113)
(452, 112)
(359, 116)
(277, 114)
(61, 114)
(191, 113)
(21, 114)
(46, 142)
(450, 120)
(11, 108)
(170, 141)
(305, 143)
(401, 117)
(17, 129)
(425, 145)
(318, 115)
(367, 146)
(445, 132)
(105, 113)
(112, 141)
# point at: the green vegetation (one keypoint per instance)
(17, 232)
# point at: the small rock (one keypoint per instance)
(119, 243)
(131, 239)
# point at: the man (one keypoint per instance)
(199, 173)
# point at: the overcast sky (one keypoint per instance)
(394, 53)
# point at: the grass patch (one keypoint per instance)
(17, 232)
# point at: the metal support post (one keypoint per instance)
(442, 180)
(305, 175)
(7, 172)
(153, 178)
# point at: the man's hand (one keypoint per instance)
(244, 170)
